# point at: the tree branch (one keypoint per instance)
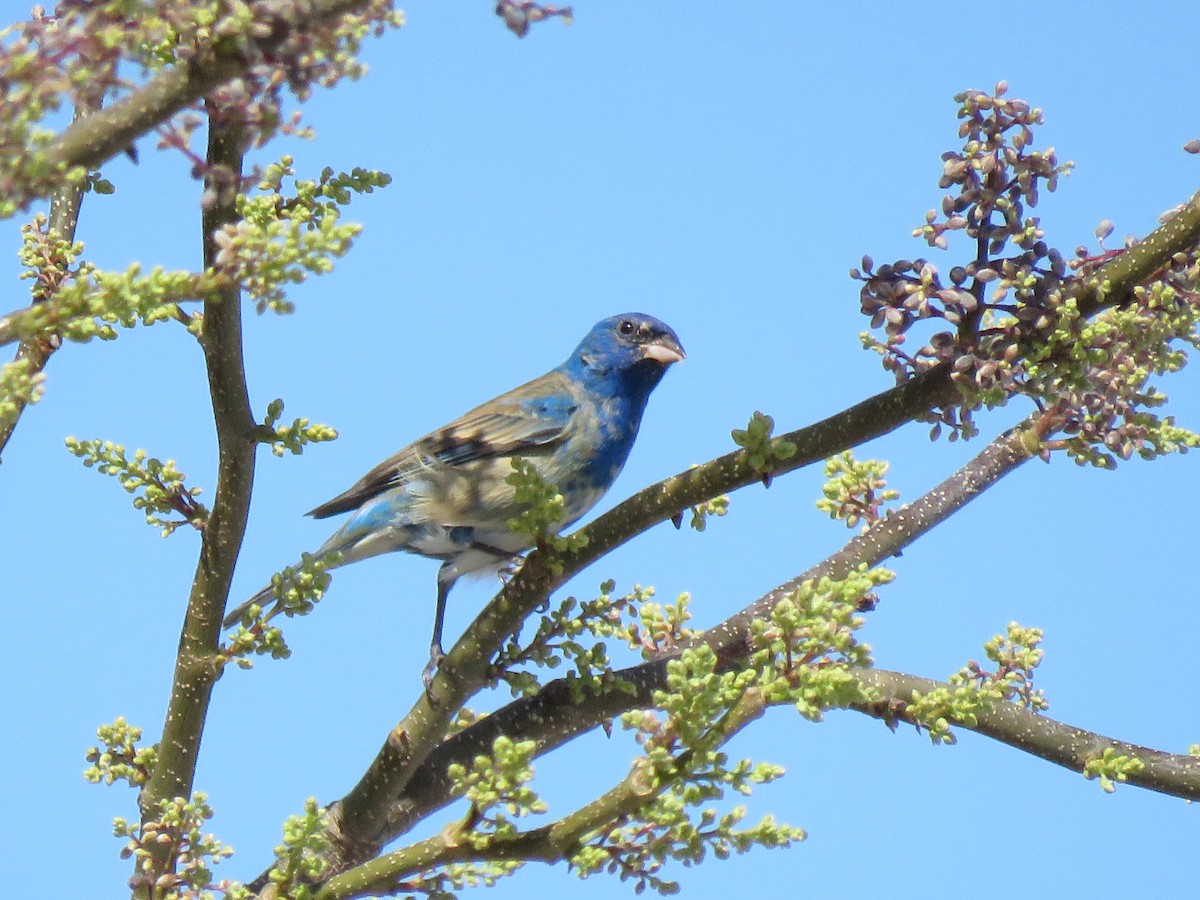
(1114, 282)
(1072, 748)
(361, 816)
(221, 341)
(384, 802)
(549, 843)
(99, 137)
(553, 717)
(1065, 745)
(65, 204)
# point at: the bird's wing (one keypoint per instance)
(530, 417)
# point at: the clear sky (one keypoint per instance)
(721, 166)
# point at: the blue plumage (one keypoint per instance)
(445, 496)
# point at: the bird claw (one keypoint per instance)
(509, 570)
(435, 660)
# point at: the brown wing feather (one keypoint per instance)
(500, 427)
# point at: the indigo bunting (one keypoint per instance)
(446, 495)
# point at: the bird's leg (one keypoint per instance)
(436, 654)
(496, 551)
(512, 561)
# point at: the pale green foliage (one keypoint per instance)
(464, 718)
(19, 385)
(682, 769)
(88, 50)
(281, 239)
(442, 884)
(808, 652)
(47, 257)
(1016, 654)
(120, 759)
(300, 859)
(497, 788)
(294, 437)
(974, 690)
(697, 698)
(32, 91)
(856, 491)
(668, 829)
(161, 485)
(806, 656)
(558, 639)
(78, 302)
(99, 185)
(1119, 351)
(185, 872)
(659, 628)
(542, 508)
(1111, 767)
(294, 592)
(701, 512)
(756, 440)
(93, 301)
(631, 618)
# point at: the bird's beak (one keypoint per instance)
(665, 350)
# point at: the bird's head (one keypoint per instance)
(633, 343)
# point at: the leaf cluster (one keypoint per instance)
(120, 759)
(856, 490)
(756, 439)
(293, 591)
(159, 485)
(190, 856)
(1013, 316)
(280, 239)
(542, 508)
(973, 689)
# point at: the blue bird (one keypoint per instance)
(446, 496)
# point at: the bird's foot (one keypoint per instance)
(507, 562)
(509, 570)
(435, 660)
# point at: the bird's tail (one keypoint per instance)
(378, 527)
(260, 599)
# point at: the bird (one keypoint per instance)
(446, 496)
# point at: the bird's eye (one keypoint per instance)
(626, 327)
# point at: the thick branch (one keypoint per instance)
(358, 820)
(221, 340)
(1065, 745)
(385, 800)
(102, 135)
(553, 717)
(898, 530)
(550, 843)
(1113, 282)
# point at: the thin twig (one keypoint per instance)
(65, 204)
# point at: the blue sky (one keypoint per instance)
(720, 166)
